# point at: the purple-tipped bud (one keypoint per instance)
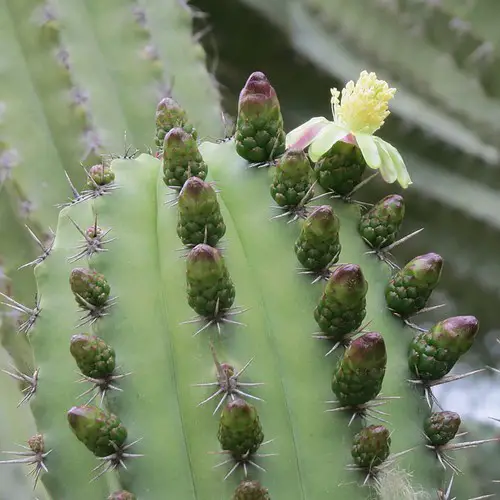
(441, 427)
(94, 357)
(170, 115)
(367, 351)
(371, 446)
(89, 287)
(102, 433)
(425, 268)
(259, 129)
(240, 431)
(380, 225)
(181, 158)
(100, 175)
(347, 283)
(257, 94)
(195, 193)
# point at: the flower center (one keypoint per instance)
(363, 106)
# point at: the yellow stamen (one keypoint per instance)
(363, 106)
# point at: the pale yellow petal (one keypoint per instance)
(323, 142)
(302, 136)
(369, 150)
(402, 172)
(387, 167)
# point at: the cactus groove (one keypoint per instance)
(126, 318)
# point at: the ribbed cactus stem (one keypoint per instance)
(154, 412)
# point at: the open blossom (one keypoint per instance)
(358, 112)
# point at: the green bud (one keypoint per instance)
(380, 225)
(259, 127)
(240, 431)
(292, 179)
(102, 433)
(371, 446)
(318, 244)
(181, 158)
(209, 286)
(122, 495)
(200, 218)
(100, 175)
(441, 427)
(94, 357)
(89, 285)
(342, 306)
(341, 168)
(434, 353)
(170, 115)
(251, 490)
(410, 288)
(359, 374)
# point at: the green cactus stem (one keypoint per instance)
(359, 374)
(181, 158)
(122, 495)
(434, 353)
(410, 288)
(210, 289)
(170, 115)
(240, 432)
(259, 134)
(200, 218)
(251, 490)
(292, 182)
(341, 169)
(371, 446)
(318, 245)
(379, 226)
(441, 427)
(158, 402)
(342, 306)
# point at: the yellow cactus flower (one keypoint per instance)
(358, 112)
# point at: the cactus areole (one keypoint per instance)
(199, 269)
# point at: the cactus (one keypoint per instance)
(123, 317)
(84, 94)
